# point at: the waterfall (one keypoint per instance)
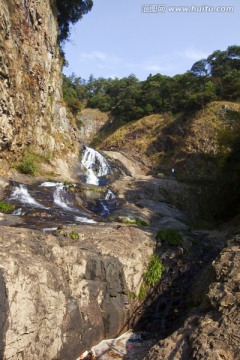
(60, 197)
(95, 164)
(21, 194)
(59, 194)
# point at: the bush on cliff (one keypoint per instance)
(29, 164)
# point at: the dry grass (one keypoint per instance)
(166, 140)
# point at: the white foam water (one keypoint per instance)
(91, 160)
(59, 197)
(84, 220)
(21, 194)
(18, 212)
(49, 184)
(110, 195)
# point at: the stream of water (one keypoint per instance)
(50, 204)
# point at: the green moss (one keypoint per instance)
(137, 221)
(131, 295)
(141, 222)
(171, 237)
(73, 235)
(6, 208)
(142, 292)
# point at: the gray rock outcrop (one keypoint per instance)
(59, 295)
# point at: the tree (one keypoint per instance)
(69, 12)
(200, 68)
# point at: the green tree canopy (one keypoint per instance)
(69, 12)
(214, 78)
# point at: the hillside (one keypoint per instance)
(192, 143)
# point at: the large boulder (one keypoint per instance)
(62, 293)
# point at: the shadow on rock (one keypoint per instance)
(3, 313)
(181, 292)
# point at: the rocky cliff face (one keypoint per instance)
(60, 295)
(91, 121)
(31, 109)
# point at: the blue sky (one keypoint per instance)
(116, 38)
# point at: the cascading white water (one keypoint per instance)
(18, 212)
(91, 160)
(49, 184)
(21, 194)
(110, 195)
(59, 194)
(59, 197)
(85, 220)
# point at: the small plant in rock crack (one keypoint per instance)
(154, 271)
(6, 208)
(152, 275)
(171, 237)
(142, 292)
(73, 235)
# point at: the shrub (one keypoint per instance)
(6, 208)
(171, 237)
(29, 164)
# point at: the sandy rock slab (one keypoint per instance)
(62, 293)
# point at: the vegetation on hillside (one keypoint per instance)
(214, 78)
(190, 121)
